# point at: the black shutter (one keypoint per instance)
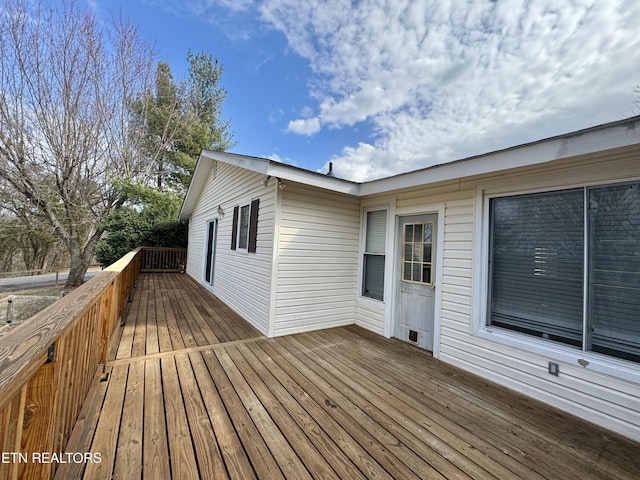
(253, 225)
(234, 228)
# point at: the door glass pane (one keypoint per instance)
(416, 272)
(426, 273)
(427, 253)
(418, 249)
(416, 253)
(406, 271)
(408, 233)
(417, 233)
(428, 233)
(208, 274)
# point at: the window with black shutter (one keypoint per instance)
(245, 227)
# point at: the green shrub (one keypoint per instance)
(128, 229)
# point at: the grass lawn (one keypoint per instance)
(27, 303)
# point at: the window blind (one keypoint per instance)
(536, 268)
(376, 231)
(614, 270)
(374, 255)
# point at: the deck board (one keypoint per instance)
(129, 448)
(195, 392)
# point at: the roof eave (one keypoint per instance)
(612, 135)
(258, 165)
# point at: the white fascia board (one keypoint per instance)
(307, 177)
(623, 133)
(285, 172)
(254, 164)
(258, 165)
(584, 142)
(198, 179)
(202, 171)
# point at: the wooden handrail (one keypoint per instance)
(48, 363)
(159, 259)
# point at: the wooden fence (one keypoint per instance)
(48, 363)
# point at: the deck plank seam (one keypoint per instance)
(201, 348)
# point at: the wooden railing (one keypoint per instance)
(163, 259)
(48, 363)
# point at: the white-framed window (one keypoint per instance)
(245, 227)
(564, 266)
(374, 256)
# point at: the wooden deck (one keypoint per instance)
(195, 392)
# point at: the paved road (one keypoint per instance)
(37, 281)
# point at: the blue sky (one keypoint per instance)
(386, 86)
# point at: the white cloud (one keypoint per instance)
(232, 17)
(304, 126)
(199, 7)
(444, 79)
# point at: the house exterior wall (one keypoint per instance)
(370, 314)
(607, 391)
(241, 280)
(316, 260)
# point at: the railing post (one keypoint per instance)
(10, 309)
(40, 419)
(12, 420)
(40, 402)
(109, 307)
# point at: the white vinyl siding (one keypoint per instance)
(370, 316)
(241, 281)
(317, 260)
(601, 392)
(609, 399)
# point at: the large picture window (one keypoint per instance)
(565, 266)
(374, 255)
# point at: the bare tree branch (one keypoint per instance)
(66, 85)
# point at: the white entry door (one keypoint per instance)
(416, 279)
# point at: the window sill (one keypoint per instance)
(595, 362)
